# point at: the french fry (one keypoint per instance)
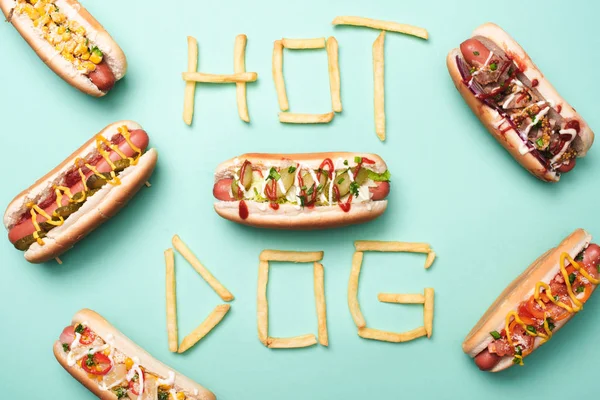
(239, 65)
(291, 256)
(278, 76)
(302, 44)
(292, 342)
(219, 78)
(205, 327)
(378, 82)
(319, 286)
(190, 87)
(184, 250)
(374, 245)
(334, 74)
(262, 305)
(382, 25)
(172, 330)
(357, 316)
(401, 298)
(430, 259)
(293, 118)
(385, 336)
(428, 311)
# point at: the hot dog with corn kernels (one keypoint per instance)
(70, 41)
(81, 193)
(110, 365)
(536, 304)
(302, 191)
(516, 103)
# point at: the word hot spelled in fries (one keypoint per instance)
(240, 77)
(213, 318)
(426, 298)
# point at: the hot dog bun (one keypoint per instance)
(113, 55)
(509, 138)
(121, 342)
(97, 209)
(543, 269)
(290, 216)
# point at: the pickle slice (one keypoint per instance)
(23, 244)
(96, 182)
(362, 176)
(342, 183)
(286, 180)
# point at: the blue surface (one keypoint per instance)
(453, 186)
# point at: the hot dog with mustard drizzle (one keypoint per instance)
(113, 367)
(302, 191)
(70, 41)
(516, 103)
(89, 187)
(536, 304)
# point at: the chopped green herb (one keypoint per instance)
(579, 257)
(89, 361)
(68, 30)
(516, 360)
(518, 351)
(472, 70)
(579, 289)
(303, 188)
(120, 392)
(572, 277)
(476, 53)
(531, 328)
(97, 51)
(340, 181)
(510, 70)
(273, 174)
(550, 324)
(301, 201)
(79, 329)
(495, 335)
(65, 347)
(493, 66)
(319, 188)
(354, 188)
(255, 191)
(555, 298)
(539, 142)
(291, 169)
(358, 160)
(345, 162)
(162, 395)
(311, 190)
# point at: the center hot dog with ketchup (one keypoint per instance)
(70, 41)
(82, 192)
(516, 103)
(302, 191)
(536, 304)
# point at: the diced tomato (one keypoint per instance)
(98, 364)
(557, 313)
(134, 384)
(525, 316)
(87, 337)
(534, 308)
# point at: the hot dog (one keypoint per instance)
(70, 41)
(302, 191)
(110, 365)
(516, 103)
(82, 192)
(536, 304)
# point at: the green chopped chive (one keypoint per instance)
(273, 174)
(579, 289)
(340, 181)
(310, 191)
(345, 162)
(572, 277)
(358, 160)
(65, 347)
(319, 188)
(291, 169)
(531, 328)
(540, 142)
(550, 324)
(79, 329)
(493, 66)
(555, 298)
(476, 53)
(354, 188)
(495, 335)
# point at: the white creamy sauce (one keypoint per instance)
(537, 118)
(509, 99)
(136, 369)
(331, 188)
(350, 174)
(170, 381)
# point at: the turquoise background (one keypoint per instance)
(453, 186)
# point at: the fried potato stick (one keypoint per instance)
(319, 286)
(190, 87)
(303, 44)
(375, 245)
(353, 305)
(382, 25)
(291, 256)
(262, 305)
(428, 311)
(379, 86)
(401, 298)
(430, 259)
(184, 250)
(205, 327)
(292, 342)
(293, 118)
(239, 65)
(219, 78)
(172, 330)
(278, 76)
(334, 74)
(393, 337)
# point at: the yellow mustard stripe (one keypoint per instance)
(548, 292)
(125, 133)
(36, 226)
(581, 270)
(45, 215)
(114, 181)
(60, 190)
(578, 304)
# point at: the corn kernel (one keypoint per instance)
(90, 66)
(31, 12)
(180, 396)
(60, 47)
(66, 36)
(61, 30)
(95, 58)
(73, 25)
(70, 46)
(80, 30)
(80, 49)
(58, 17)
(85, 56)
(128, 363)
(33, 1)
(68, 56)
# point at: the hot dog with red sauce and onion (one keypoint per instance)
(536, 304)
(77, 196)
(70, 41)
(517, 104)
(302, 191)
